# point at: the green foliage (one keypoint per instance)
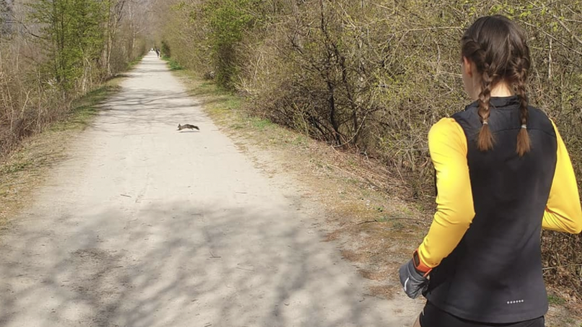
(555, 300)
(72, 36)
(227, 20)
(15, 167)
(70, 48)
(261, 123)
(208, 33)
(166, 51)
(5, 13)
(174, 65)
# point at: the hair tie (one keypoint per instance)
(524, 126)
(485, 122)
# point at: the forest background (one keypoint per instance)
(368, 77)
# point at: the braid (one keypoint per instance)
(485, 139)
(523, 140)
(473, 50)
(498, 49)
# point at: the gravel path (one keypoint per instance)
(144, 225)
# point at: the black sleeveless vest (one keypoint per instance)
(494, 275)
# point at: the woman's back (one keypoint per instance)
(494, 274)
(502, 174)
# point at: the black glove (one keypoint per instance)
(412, 280)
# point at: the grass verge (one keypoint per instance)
(173, 64)
(375, 223)
(24, 169)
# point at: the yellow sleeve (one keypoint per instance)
(455, 212)
(563, 213)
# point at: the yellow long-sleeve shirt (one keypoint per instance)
(455, 211)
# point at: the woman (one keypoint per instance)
(503, 174)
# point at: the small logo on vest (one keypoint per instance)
(515, 301)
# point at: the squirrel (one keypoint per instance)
(187, 126)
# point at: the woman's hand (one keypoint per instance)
(414, 281)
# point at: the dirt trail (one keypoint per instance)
(147, 226)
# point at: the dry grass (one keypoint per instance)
(23, 171)
(365, 203)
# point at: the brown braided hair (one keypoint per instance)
(498, 48)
